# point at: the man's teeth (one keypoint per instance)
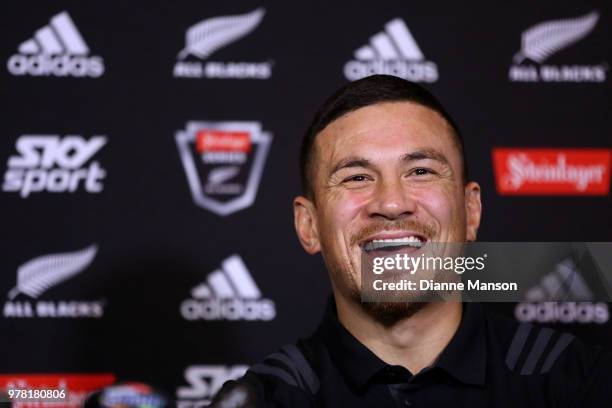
(393, 242)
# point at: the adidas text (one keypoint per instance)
(60, 66)
(228, 309)
(412, 71)
(562, 312)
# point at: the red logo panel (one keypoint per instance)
(534, 171)
(211, 140)
(77, 386)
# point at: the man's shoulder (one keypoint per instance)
(528, 348)
(533, 354)
(283, 378)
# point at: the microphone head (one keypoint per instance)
(128, 395)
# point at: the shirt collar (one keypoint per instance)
(464, 358)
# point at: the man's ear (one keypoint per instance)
(305, 220)
(473, 210)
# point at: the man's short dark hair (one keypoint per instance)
(368, 91)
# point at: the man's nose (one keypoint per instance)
(392, 200)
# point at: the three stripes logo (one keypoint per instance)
(543, 40)
(563, 283)
(229, 293)
(535, 350)
(562, 296)
(393, 51)
(57, 49)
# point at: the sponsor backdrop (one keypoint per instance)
(149, 159)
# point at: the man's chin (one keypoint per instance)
(389, 313)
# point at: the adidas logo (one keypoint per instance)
(545, 39)
(57, 49)
(564, 283)
(206, 37)
(534, 350)
(549, 300)
(229, 293)
(393, 52)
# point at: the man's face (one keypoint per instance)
(386, 171)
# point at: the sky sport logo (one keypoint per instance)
(392, 52)
(203, 39)
(203, 382)
(543, 40)
(545, 300)
(57, 49)
(40, 274)
(534, 171)
(229, 293)
(224, 163)
(54, 164)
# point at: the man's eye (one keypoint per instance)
(358, 177)
(422, 171)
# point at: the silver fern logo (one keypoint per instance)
(209, 35)
(543, 40)
(40, 274)
(205, 38)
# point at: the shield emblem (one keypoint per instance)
(223, 162)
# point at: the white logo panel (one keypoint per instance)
(393, 51)
(224, 163)
(545, 39)
(228, 293)
(203, 39)
(57, 49)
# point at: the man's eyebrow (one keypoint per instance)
(350, 162)
(425, 154)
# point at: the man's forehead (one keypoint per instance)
(385, 126)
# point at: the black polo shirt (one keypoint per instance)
(490, 362)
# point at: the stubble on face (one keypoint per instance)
(338, 205)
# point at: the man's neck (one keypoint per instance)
(414, 342)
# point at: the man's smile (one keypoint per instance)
(387, 242)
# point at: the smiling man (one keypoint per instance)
(384, 171)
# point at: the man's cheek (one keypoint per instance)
(347, 206)
(438, 204)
